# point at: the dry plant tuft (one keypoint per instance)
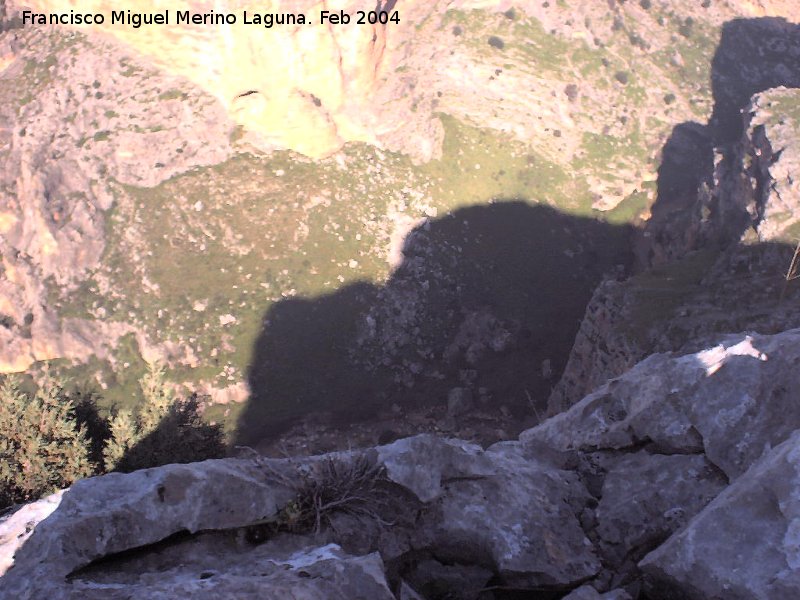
(352, 485)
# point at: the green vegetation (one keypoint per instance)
(42, 446)
(253, 255)
(662, 289)
(173, 95)
(199, 260)
(49, 438)
(355, 486)
(164, 430)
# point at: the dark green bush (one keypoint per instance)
(42, 446)
(496, 42)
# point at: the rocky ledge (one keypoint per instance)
(679, 479)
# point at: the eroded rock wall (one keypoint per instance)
(695, 289)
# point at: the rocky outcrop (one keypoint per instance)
(739, 189)
(677, 480)
(757, 518)
(65, 151)
(774, 129)
(663, 440)
(603, 347)
(466, 518)
(678, 305)
(484, 513)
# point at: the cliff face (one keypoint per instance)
(309, 88)
(731, 274)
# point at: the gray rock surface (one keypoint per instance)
(631, 482)
(730, 402)
(751, 193)
(113, 513)
(744, 545)
(501, 508)
(587, 592)
(602, 348)
(524, 516)
(647, 497)
(506, 513)
(307, 574)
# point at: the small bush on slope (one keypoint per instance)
(42, 447)
(165, 430)
(50, 439)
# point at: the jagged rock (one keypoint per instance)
(408, 593)
(16, 528)
(646, 497)
(499, 512)
(424, 463)
(459, 582)
(253, 573)
(514, 513)
(744, 544)
(602, 349)
(485, 514)
(775, 129)
(683, 308)
(729, 402)
(113, 513)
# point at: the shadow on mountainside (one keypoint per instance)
(484, 308)
(753, 55)
(486, 304)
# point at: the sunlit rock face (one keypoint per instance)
(309, 88)
(312, 87)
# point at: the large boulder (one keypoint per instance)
(647, 497)
(307, 574)
(730, 403)
(745, 545)
(106, 515)
(502, 512)
(503, 508)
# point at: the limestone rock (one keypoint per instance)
(307, 574)
(587, 592)
(602, 348)
(744, 545)
(110, 514)
(646, 497)
(775, 127)
(500, 507)
(729, 402)
(16, 528)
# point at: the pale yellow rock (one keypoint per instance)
(308, 86)
(7, 219)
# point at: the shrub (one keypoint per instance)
(87, 415)
(42, 446)
(496, 42)
(164, 431)
(355, 486)
(571, 90)
(50, 439)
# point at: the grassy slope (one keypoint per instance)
(226, 237)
